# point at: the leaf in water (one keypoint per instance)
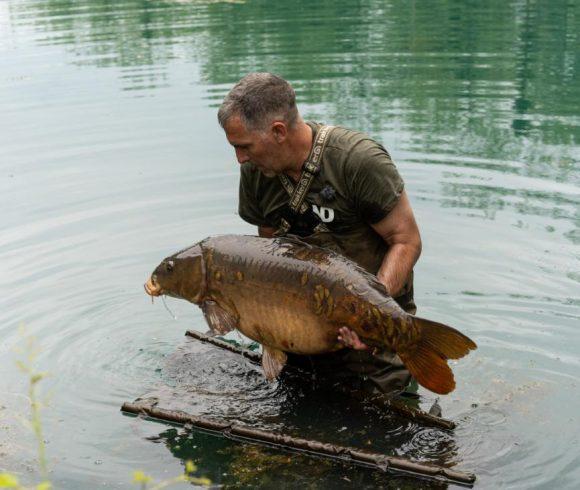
(190, 467)
(45, 485)
(140, 477)
(8, 481)
(38, 377)
(23, 367)
(206, 482)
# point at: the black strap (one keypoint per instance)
(309, 171)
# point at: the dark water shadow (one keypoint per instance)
(205, 381)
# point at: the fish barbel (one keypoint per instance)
(293, 297)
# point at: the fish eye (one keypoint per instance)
(169, 266)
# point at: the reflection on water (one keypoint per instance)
(507, 70)
(111, 158)
(459, 80)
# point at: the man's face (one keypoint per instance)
(257, 147)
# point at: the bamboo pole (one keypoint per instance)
(348, 455)
(381, 401)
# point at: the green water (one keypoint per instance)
(111, 158)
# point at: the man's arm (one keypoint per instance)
(399, 229)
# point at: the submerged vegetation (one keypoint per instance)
(29, 354)
(147, 482)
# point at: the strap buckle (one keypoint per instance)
(283, 228)
(311, 168)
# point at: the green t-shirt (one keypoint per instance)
(362, 186)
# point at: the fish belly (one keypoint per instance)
(285, 295)
(290, 328)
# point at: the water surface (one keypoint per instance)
(111, 158)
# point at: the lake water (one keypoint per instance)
(111, 158)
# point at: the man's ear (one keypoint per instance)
(279, 131)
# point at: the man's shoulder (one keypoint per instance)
(350, 149)
(350, 143)
(343, 139)
(346, 138)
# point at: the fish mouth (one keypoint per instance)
(152, 288)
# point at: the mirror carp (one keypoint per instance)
(293, 297)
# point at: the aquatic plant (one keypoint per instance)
(26, 365)
(8, 480)
(188, 476)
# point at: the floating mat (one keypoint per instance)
(348, 455)
(212, 372)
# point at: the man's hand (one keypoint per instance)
(350, 339)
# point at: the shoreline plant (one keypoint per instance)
(9, 480)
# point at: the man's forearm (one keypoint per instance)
(399, 230)
(393, 273)
(397, 266)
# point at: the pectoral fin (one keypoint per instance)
(273, 360)
(219, 320)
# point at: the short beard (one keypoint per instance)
(268, 173)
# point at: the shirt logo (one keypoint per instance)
(325, 214)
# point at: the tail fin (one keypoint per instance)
(427, 361)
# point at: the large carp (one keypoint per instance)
(293, 297)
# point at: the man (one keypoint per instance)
(355, 203)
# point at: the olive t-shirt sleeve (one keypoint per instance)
(375, 181)
(249, 206)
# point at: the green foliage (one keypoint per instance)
(7, 480)
(188, 476)
(140, 477)
(30, 351)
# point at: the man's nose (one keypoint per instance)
(242, 156)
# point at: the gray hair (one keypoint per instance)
(259, 99)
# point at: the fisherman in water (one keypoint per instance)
(335, 188)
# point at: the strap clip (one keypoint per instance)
(311, 168)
